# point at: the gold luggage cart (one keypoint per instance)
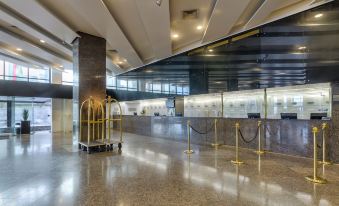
(94, 114)
(110, 120)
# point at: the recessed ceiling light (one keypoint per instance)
(18, 49)
(42, 41)
(175, 36)
(318, 15)
(302, 47)
(210, 50)
(125, 60)
(148, 71)
(61, 66)
(199, 27)
(120, 62)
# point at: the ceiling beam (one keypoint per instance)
(156, 20)
(97, 14)
(224, 16)
(12, 43)
(36, 13)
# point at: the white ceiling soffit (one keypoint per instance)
(12, 55)
(224, 17)
(113, 67)
(32, 31)
(186, 26)
(28, 48)
(131, 24)
(32, 10)
(97, 14)
(156, 20)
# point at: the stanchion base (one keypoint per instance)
(215, 145)
(237, 162)
(189, 151)
(259, 152)
(325, 162)
(318, 180)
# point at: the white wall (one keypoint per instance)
(62, 120)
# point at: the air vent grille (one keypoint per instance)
(190, 14)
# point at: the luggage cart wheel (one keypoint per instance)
(119, 145)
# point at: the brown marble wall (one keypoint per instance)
(292, 137)
(89, 67)
(89, 73)
(334, 141)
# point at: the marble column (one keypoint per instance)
(89, 71)
(333, 139)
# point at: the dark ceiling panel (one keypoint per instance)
(299, 49)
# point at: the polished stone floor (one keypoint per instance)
(45, 169)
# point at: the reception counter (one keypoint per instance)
(293, 137)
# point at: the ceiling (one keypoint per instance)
(299, 49)
(137, 32)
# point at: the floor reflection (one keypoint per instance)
(48, 170)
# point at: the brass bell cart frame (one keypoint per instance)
(109, 120)
(95, 125)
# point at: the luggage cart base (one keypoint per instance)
(92, 146)
(109, 144)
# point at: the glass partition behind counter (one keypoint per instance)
(291, 102)
(299, 102)
(303, 100)
(206, 105)
(240, 104)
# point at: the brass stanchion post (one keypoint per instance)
(324, 161)
(237, 161)
(215, 144)
(259, 151)
(188, 151)
(314, 178)
(109, 118)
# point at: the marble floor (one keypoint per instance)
(46, 169)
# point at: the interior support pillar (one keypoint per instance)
(89, 71)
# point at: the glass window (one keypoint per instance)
(114, 79)
(122, 84)
(2, 67)
(15, 72)
(42, 114)
(132, 85)
(3, 114)
(67, 77)
(148, 87)
(109, 81)
(179, 89)
(39, 75)
(185, 90)
(156, 87)
(165, 88)
(173, 89)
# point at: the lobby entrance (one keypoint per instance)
(38, 111)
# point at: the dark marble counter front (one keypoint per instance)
(293, 137)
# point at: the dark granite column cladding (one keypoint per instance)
(198, 81)
(333, 142)
(89, 70)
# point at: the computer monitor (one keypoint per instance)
(318, 115)
(253, 115)
(289, 115)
